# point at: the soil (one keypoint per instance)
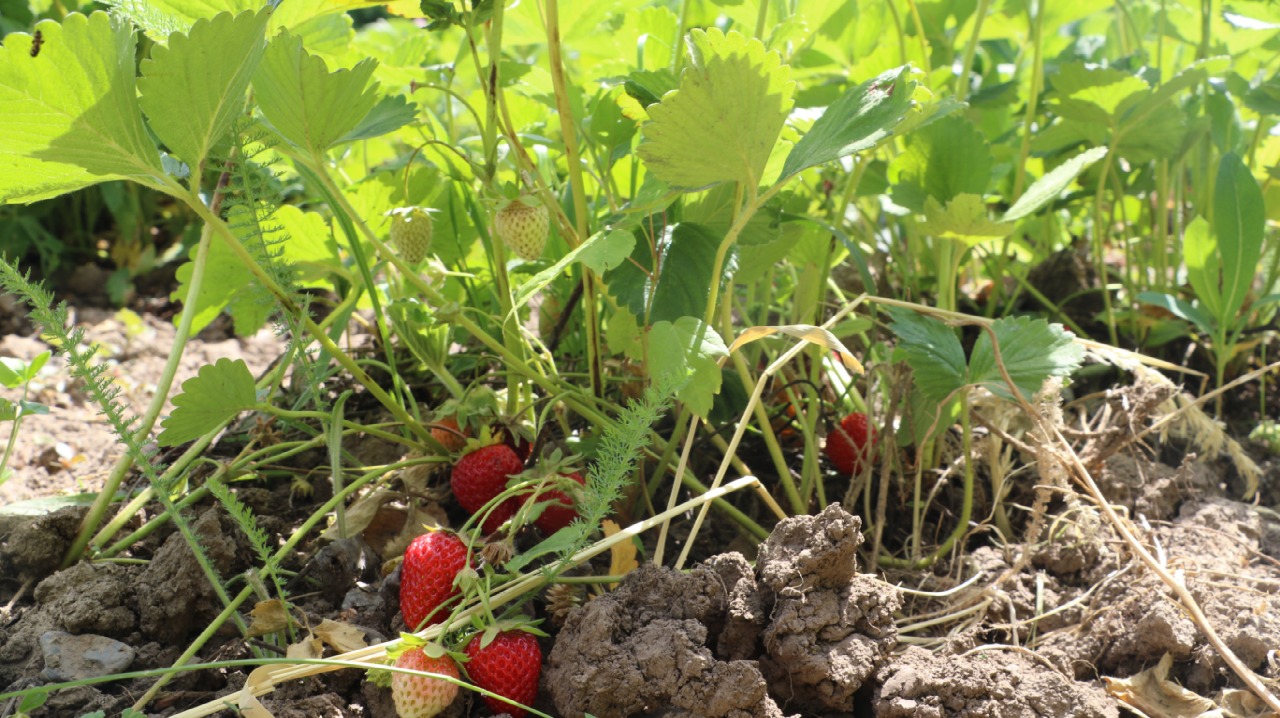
(797, 627)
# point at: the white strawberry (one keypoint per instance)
(419, 696)
(522, 225)
(411, 232)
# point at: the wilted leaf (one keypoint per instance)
(342, 637)
(268, 617)
(803, 332)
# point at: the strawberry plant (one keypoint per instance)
(669, 241)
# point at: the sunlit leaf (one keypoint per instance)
(214, 395)
(193, 88)
(722, 124)
(943, 159)
(1200, 254)
(69, 113)
(308, 105)
(1053, 184)
(964, 218)
(857, 121)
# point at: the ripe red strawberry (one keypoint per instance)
(509, 666)
(522, 225)
(411, 233)
(450, 434)
(426, 578)
(419, 696)
(560, 514)
(850, 445)
(481, 475)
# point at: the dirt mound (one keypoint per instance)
(802, 629)
(920, 684)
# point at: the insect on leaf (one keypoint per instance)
(69, 115)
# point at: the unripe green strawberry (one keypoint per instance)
(411, 233)
(523, 227)
(419, 696)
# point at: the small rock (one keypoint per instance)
(71, 658)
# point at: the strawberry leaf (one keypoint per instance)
(944, 158)
(933, 352)
(675, 353)
(723, 122)
(1032, 350)
(964, 218)
(855, 122)
(214, 395)
(69, 114)
(193, 89)
(309, 106)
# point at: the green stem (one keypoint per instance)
(93, 520)
(971, 49)
(577, 185)
(966, 507)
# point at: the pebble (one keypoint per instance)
(69, 657)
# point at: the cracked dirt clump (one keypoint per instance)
(919, 684)
(173, 593)
(727, 640)
(830, 627)
(644, 647)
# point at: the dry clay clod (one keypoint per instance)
(825, 630)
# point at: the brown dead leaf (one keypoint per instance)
(1152, 693)
(268, 617)
(309, 647)
(342, 637)
(623, 554)
(804, 332)
(360, 514)
(249, 705)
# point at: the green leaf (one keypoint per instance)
(1092, 94)
(390, 114)
(944, 159)
(8, 410)
(1032, 350)
(857, 121)
(417, 328)
(1053, 184)
(309, 106)
(602, 251)
(1180, 308)
(228, 284)
(676, 353)
(1200, 253)
(195, 87)
(933, 352)
(1239, 219)
(11, 372)
(69, 115)
(722, 124)
(161, 18)
(214, 395)
(686, 254)
(964, 218)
